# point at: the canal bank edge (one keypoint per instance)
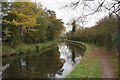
(89, 64)
(28, 48)
(80, 44)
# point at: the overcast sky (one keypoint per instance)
(68, 14)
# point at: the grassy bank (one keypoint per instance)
(89, 65)
(80, 44)
(27, 48)
(114, 60)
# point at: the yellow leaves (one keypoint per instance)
(13, 22)
(22, 0)
(13, 11)
(6, 31)
(25, 15)
(8, 22)
(33, 30)
(20, 15)
(29, 22)
(28, 31)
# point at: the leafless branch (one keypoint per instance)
(101, 5)
(72, 5)
(97, 10)
(113, 11)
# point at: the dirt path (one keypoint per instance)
(107, 70)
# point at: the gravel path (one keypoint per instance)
(107, 70)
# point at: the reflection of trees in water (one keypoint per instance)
(61, 70)
(36, 66)
(7, 60)
(71, 52)
(13, 70)
(41, 65)
(65, 51)
(73, 56)
(76, 49)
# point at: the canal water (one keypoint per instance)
(55, 63)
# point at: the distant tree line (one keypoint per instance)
(104, 33)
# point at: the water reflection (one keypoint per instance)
(57, 62)
(72, 58)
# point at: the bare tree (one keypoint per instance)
(110, 6)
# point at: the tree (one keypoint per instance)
(21, 17)
(28, 22)
(74, 26)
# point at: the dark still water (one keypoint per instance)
(55, 63)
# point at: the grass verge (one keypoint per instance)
(114, 60)
(88, 67)
(27, 48)
(80, 44)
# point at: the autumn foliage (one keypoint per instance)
(28, 22)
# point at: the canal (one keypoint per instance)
(55, 63)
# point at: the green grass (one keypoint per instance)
(27, 48)
(80, 44)
(114, 60)
(89, 48)
(89, 65)
(5, 50)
